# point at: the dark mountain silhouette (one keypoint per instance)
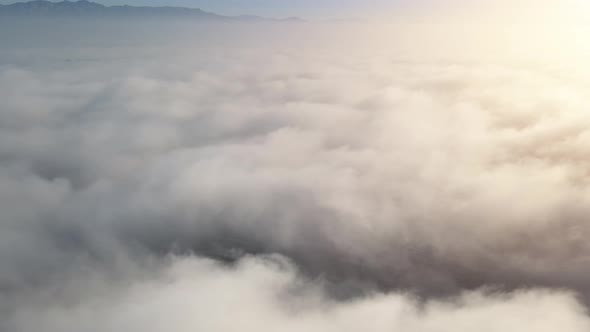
(84, 8)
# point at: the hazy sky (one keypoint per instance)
(501, 10)
(307, 8)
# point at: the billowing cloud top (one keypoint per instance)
(179, 176)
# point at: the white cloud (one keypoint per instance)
(376, 175)
(265, 295)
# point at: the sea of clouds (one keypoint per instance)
(179, 177)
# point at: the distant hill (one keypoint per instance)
(84, 8)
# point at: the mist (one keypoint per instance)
(168, 175)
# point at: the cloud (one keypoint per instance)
(267, 295)
(144, 189)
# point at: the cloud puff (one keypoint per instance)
(405, 195)
(266, 295)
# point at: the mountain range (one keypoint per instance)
(84, 8)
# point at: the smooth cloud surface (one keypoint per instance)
(248, 183)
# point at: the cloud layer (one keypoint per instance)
(265, 295)
(316, 188)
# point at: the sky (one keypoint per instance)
(501, 11)
(303, 8)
